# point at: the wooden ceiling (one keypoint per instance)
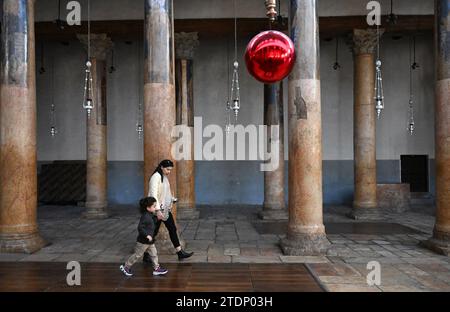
(207, 28)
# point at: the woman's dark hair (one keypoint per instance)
(146, 202)
(163, 164)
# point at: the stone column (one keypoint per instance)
(18, 168)
(185, 44)
(440, 242)
(96, 154)
(159, 97)
(274, 207)
(364, 125)
(306, 232)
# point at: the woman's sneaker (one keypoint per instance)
(126, 270)
(160, 271)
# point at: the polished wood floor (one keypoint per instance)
(195, 277)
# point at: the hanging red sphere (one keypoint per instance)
(270, 56)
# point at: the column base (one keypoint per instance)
(92, 214)
(21, 243)
(273, 214)
(95, 210)
(368, 214)
(188, 213)
(437, 245)
(305, 245)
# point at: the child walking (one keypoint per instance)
(145, 242)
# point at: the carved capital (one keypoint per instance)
(364, 41)
(185, 45)
(100, 45)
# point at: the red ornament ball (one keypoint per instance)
(270, 56)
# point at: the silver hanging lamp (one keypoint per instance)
(88, 98)
(379, 95)
(413, 66)
(234, 93)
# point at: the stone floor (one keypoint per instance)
(229, 234)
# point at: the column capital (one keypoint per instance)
(185, 45)
(100, 45)
(364, 41)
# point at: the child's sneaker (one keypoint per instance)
(126, 270)
(160, 271)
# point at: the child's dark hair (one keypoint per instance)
(146, 202)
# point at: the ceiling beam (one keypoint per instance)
(133, 29)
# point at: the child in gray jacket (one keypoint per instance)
(145, 241)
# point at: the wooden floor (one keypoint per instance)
(207, 277)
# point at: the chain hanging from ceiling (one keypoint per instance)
(53, 129)
(112, 68)
(336, 64)
(42, 69)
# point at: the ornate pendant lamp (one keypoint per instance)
(88, 97)
(413, 66)
(379, 96)
(233, 103)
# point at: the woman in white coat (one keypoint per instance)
(159, 188)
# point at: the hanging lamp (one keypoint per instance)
(379, 95)
(234, 105)
(88, 97)
(413, 66)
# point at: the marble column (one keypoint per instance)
(306, 232)
(96, 154)
(440, 242)
(364, 125)
(18, 165)
(159, 98)
(185, 45)
(274, 207)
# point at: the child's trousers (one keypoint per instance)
(139, 251)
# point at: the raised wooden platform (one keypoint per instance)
(106, 277)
